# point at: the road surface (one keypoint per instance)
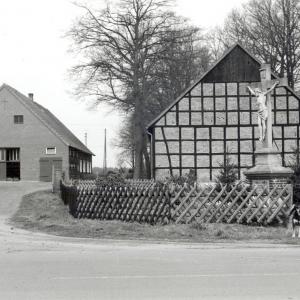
(38, 266)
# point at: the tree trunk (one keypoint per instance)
(147, 160)
(138, 145)
(139, 136)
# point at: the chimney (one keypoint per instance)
(30, 96)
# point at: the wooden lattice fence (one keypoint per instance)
(146, 202)
(239, 204)
(125, 203)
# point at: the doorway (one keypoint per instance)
(46, 167)
(10, 164)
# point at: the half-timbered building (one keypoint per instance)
(217, 114)
(34, 143)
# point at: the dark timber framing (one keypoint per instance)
(215, 116)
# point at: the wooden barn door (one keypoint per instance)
(46, 167)
(2, 170)
(2, 164)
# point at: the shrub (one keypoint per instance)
(113, 179)
(228, 174)
(187, 179)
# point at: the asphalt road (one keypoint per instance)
(37, 266)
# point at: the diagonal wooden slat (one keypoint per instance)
(178, 195)
(139, 199)
(122, 212)
(272, 203)
(232, 205)
(126, 214)
(261, 205)
(204, 213)
(116, 206)
(159, 202)
(143, 207)
(201, 204)
(250, 205)
(222, 202)
(163, 206)
(189, 206)
(154, 204)
(109, 202)
(185, 199)
(278, 209)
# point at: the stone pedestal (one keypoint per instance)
(268, 170)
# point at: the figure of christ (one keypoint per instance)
(262, 112)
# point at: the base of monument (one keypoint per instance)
(268, 170)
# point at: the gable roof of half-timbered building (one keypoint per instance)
(236, 65)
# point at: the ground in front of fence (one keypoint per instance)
(45, 212)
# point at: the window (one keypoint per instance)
(13, 154)
(18, 119)
(51, 150)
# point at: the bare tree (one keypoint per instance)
(183, 62)
(270, 29)
(125, 142)
(124, 49)
(216, 43)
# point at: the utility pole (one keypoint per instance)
(85, 138)
(104, 158)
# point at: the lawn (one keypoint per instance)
(45, 212)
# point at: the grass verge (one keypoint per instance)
(45, 212)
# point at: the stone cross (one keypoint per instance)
(268, 169)
(266, 84)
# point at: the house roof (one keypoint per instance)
(226, 53)
(49, 120)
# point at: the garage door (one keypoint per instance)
(2, 170)
(46, 167)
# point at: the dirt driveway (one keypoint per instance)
(11, 194)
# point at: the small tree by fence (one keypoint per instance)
(146, 202)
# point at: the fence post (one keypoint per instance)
(169, 203)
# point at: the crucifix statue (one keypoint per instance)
(268, 168)
(263, 97)
(262, 112)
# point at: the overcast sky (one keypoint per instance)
(34, 58)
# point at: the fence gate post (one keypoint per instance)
(56, 178)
